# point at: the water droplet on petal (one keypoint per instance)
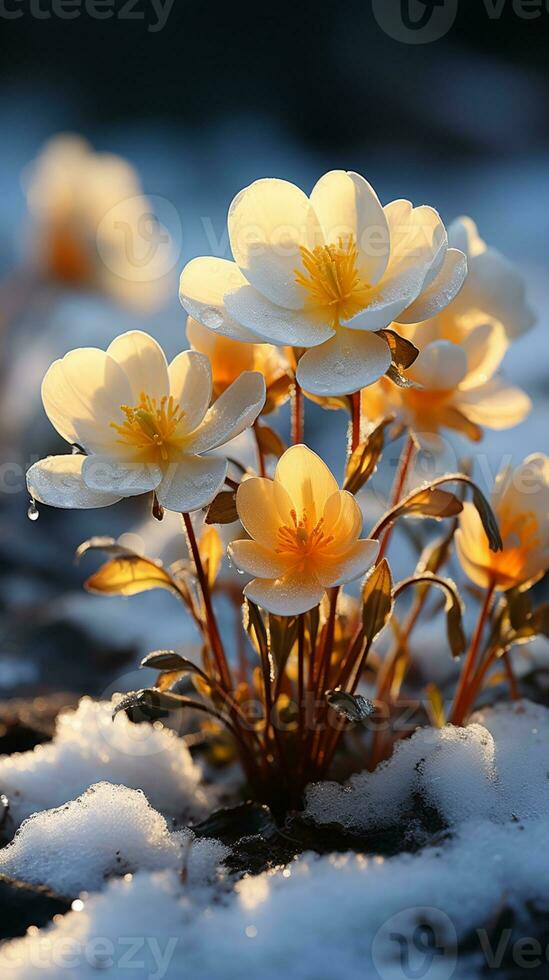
(32, 512)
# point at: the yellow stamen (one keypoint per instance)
(301, 540)
(333, 280)
(151, 428)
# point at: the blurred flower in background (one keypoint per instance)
(93, 228)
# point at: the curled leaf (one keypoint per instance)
(453, 607)
(377, 599)
(222, 509)
(353, 707)
(129, 575)
(403, 352)
(102, 543)
(363, 462)
(169, 660)
(484, 509)
(269, 441)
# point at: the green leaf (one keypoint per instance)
(363, 462)
(377, 598)
(222, 509)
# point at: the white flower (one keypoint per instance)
(92, 226)
(325, 273)
(144, 426)
(493, 289)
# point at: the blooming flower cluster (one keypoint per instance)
(377, 309)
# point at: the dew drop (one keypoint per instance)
(32, 512)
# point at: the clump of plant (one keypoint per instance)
(361, 308)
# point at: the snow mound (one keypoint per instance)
(110, 830)
(89, 747)
(340, 915)
(496, 768)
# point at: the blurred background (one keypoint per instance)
(201, 99)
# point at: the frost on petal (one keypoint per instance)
(57, 481)
(290, 595)
(203, 284)
(128, 479)
(441, 291)
(351, 360)
(235, 410)
(255, 559)
(191, 483)
(276, 324)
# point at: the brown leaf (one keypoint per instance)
(377, 598)
(398, 378)
(353, 707)
(223, 510)
(129, 575)
(403, 352)
(363, 462)
(109, 545)
(269, 441)
(453, 607)
(277, 394)
(485, 512)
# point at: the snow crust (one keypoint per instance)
(497, 768)
(109, 830)
(89, 747)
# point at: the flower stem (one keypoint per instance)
(297, 414)
(211, 622)
(406, 460)
(355, 420)
(260, 454)
(462, 699)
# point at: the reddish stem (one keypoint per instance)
(260, 453)
(465, 687)
(406, 459)
(355, 420)
(297, 414)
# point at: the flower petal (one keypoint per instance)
(343, 520)
(440, 366)
(472, 547)
(351, 360)
(485, 347)
(495, 404)
(235, 410)
(203, 284)
(105, 475)
(82, 394)
(307, 481)
(276, 324)
(494, 287)
(288, 595)
(346, 204)
(253, 558)
(190, 380)
(143, 362)
(192, 483)
(345, 568)
(263, 507)
(57, 481)
(268, 222)
(441, 291)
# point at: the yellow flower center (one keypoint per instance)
(151, 427)
(332, 279)
(302, 540)
(520, 534)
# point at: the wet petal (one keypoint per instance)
(441, 292)
(235, 410)
(203, 284)
(192, 483)
(190, 380)
(290, 595)
(276, 324)
(351, 360)
(143, 362)
(105, 474)
(57, 481)
(263, 507)
(333, 571)
(253, 558)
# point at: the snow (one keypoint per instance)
(109, 830)
(496, 769)
(320, 916)
(89, 747)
